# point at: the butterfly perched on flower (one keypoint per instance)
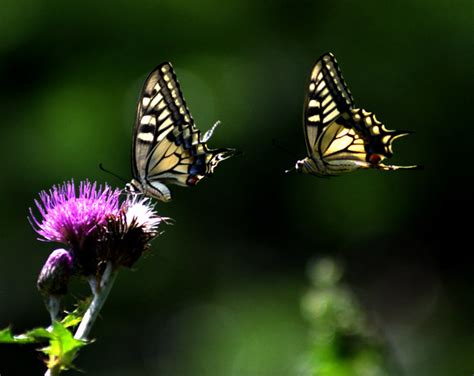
(167, 148)
(340, 137)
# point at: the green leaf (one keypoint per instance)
(71, 320)
(6, 336)
(33, 336)
(62, 348)
(39, 333)
(75, 317)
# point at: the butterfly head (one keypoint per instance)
(134, 187)
(299, 166)
(305, 165)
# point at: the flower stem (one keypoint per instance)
(100, 296)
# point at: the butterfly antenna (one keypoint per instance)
(112, 173)
(287, 151)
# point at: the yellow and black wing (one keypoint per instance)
(167, 147)
(328, 98)
(339, 137)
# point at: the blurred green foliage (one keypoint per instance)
(343, 343)
(220, 294)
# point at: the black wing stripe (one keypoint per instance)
(336, 84)
(327, 100)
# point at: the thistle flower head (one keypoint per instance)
(95, 226)
(140, 212)
(127, 235)
(69, 217)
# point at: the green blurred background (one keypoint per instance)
(221, 292)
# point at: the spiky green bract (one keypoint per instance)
(74, 318)
(6, 336)
(62, 348)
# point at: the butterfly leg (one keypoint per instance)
(395, 167)
(209, 132)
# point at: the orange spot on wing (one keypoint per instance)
(375, 159)
(192, 180)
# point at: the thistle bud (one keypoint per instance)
(54, 278)
(54, 275)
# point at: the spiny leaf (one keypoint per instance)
(62, 348)
(75, 317)
(32, 336)
(6, 336)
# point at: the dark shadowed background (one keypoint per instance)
(220, 293)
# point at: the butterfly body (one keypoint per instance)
(167, 147)
(341, 138)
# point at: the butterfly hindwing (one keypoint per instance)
(167, 146)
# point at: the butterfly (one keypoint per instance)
(339, 137)
(167, 148)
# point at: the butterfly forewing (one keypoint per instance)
(328, 97)
(162, 114)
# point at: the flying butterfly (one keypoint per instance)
(167, 148)
(339, 137)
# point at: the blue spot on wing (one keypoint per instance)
(199, 166)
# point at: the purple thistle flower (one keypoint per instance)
(126, 236)
(140, 212)
(70, 218)
(95, 226)
(76, 219)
